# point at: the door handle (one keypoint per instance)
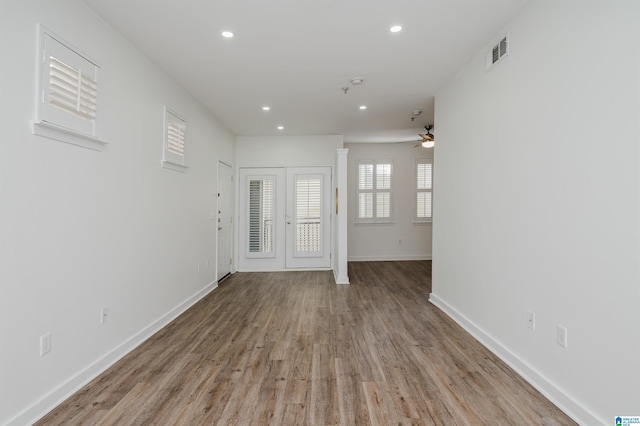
(219, 228)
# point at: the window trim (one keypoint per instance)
(45, 124)
(417, 219)
(171, 160)
(374, 191)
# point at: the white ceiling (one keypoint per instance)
(296, 55)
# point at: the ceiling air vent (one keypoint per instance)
(497, 52)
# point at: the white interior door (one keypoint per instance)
(225, 220)
(308, 229)
(285, 218)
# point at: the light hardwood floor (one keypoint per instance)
(293, 348)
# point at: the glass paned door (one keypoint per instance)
(308, 217)
(285, 218)
(262, 212)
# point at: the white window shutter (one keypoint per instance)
(374, 191)
(261, 212)
(72, 91)
(308, 192)
(175, 138)
(68, 90)
(424, 188)
(175, 128)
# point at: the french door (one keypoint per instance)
(285, 218)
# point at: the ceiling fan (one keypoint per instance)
(428, 140)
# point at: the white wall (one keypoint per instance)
(287, 151)
(537, 189)
(402, 240)
(81, 229)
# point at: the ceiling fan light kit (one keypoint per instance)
(428, 140)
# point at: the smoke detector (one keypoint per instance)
(357, 81)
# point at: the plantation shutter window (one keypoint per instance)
(68, 93)
(374, 191)
(175, 129)
(71, 91)
(175, 139)
(424, 188)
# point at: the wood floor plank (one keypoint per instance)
(376, 403)
(294, 348)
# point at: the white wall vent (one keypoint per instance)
(498, 52)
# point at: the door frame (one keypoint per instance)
(265, 266)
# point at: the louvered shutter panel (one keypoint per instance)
(365, 187)
(261, 210)
(72, 91)
(383, 198)
(383, 176)
(383, 205)
(174, 138)
(255, 215)
(365, 205)
(365, 176)
(424, 173)
(69, 88)
(308, 208)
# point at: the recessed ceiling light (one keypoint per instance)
(363, 107)
(266, 108)
(280, 127)
(227, 34)
(395, 29)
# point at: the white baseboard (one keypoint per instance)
(387, 258)
(545, 386)
(54, 398)
(340, 279)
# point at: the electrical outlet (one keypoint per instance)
(562, 335)
(207, 265)
(104, 315)
(198, 268)
(531, 320)
(45, 344)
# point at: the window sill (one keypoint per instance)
(174, 166)
(374, 223)
(51, 131)
(422, 222)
